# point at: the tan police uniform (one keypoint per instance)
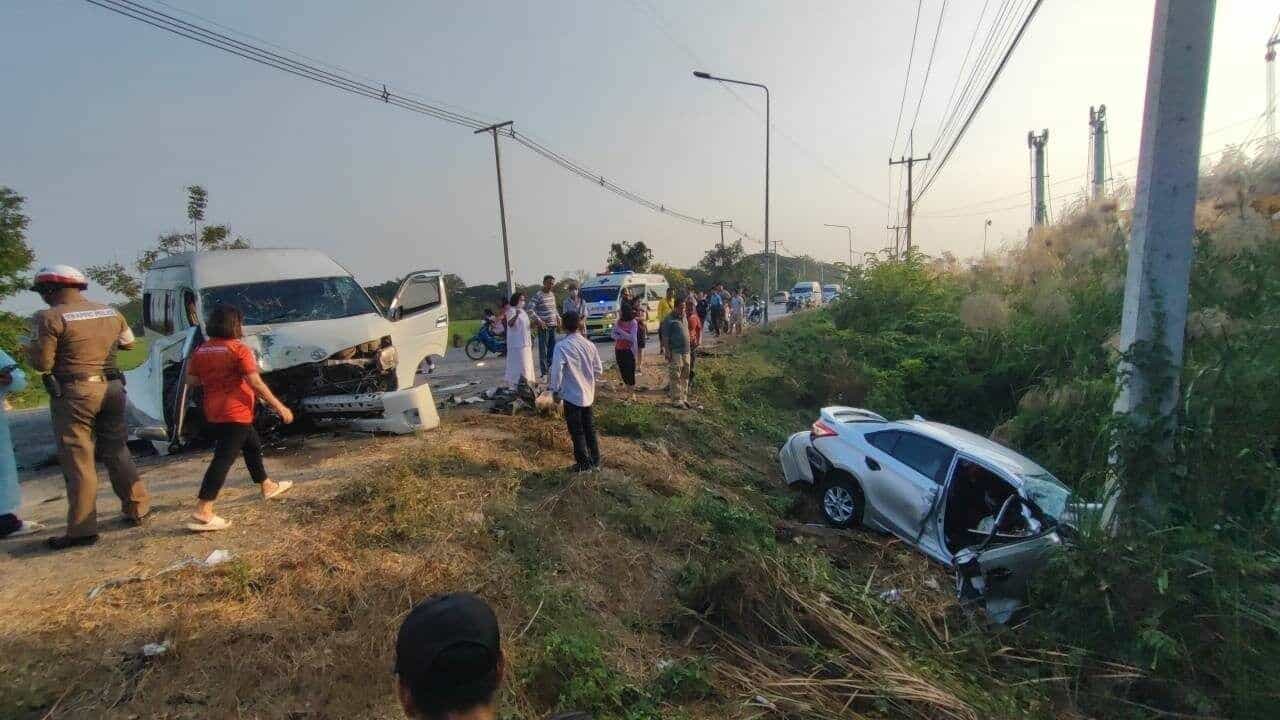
(77, 342)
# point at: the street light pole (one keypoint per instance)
(849, 230)
(985, 225)
(502, 207)
(708, 76)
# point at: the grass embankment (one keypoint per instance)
(35, 395)
(673, 584)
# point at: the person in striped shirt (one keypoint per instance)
(546, 317)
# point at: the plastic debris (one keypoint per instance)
(154, 649)
(217, 557)
(891, 596)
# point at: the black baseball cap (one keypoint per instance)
(449, 643)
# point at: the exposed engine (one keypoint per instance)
(369, 367)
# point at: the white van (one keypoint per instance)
(601, 293)
(806, 294)
(831, 291)
(324, 347)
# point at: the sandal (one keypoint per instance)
(281, 488)
(212, 524)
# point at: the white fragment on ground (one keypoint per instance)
(932, 584)
(154, 649)
(217, 557)
(891, 596)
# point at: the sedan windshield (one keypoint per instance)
(1047, 493)
(288, 301)
(600, 294)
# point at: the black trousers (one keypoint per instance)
(693, 360)
(232, 439)
(626, 366)
(582, 430)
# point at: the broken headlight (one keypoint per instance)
(388, 358)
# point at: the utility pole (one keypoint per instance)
(1160, 247)
(910, 162)
(1098, 136)
(985, 226)
(721, 223)
(502, 207)
(896, 238)
(1040, 208)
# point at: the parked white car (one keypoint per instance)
(963, 500)
(322, 343)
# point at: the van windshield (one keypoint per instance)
(287, 301)
(600, 294)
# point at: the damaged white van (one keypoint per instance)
(324, 346)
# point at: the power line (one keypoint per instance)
(928, 68)
(982, 99)
(340, 79)
(906, 81)
(647, 8)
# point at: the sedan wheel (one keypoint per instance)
(841, 503)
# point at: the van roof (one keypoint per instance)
(623, 278)
(232, 267)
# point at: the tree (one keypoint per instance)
(635, 257)
(120, 280)
(677, 279)
(15, 255)
(197, 200)
(15, 260)
(722, 264)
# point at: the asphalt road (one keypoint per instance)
(33, 435)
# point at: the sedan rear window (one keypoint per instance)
(927, 457)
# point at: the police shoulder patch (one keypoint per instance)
(89, 314)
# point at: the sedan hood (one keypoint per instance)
(286, 345)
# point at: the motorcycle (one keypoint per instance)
(485, 342)
(755, 313)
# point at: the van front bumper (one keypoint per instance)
(599, 328)
(398, 412)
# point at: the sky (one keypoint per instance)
(107, 120)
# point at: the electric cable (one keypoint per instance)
(906, 81)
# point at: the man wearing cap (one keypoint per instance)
(449, 662)
(75, 347)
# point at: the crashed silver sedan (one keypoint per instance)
(963, 500)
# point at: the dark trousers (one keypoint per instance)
(582, 430)
(626, 366)
(693, 361)
(233, 439)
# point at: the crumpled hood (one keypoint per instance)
(286, 345)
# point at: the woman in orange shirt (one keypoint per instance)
(227, 371)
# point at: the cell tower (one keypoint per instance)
(1098, 141)
(1039, 202)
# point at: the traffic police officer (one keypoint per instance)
(75, 347)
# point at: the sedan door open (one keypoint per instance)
(998, 569)
(419, 313)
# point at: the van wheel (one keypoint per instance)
(841, 502)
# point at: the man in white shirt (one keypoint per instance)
(575, 368)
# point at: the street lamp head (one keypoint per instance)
(701, 74)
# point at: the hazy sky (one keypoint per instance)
(106, 121)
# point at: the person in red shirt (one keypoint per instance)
(695, 335)
(227, 371)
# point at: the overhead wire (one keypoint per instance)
(906, 81)
(647, 8)
(333, 76)
(928, 68)
(1004, 61)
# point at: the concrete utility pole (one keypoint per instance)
(985, 226)
(1040, 207)
(1160, 251)
(910, 163)
(896, 238)
(721, 223)
(1098, 136)
(502, 207)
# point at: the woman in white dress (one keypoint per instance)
(519, 343)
